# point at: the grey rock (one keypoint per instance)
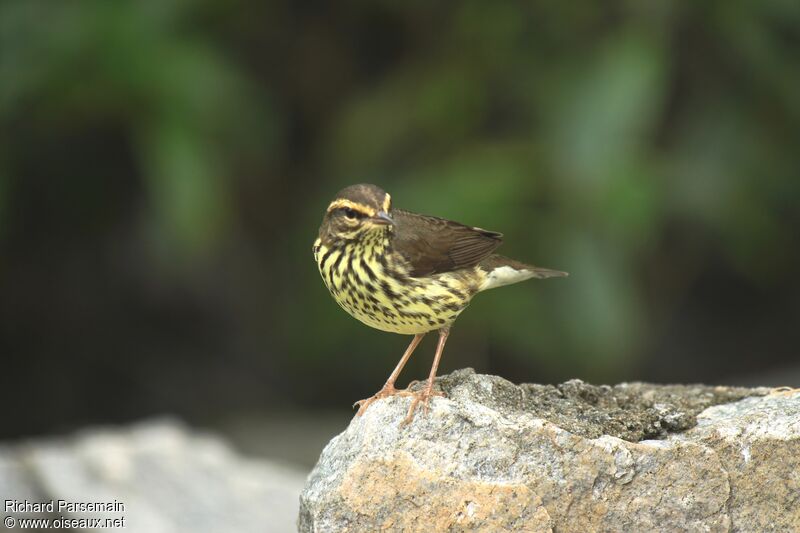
(169, 480)
(494, 456)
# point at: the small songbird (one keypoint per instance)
(406, 273)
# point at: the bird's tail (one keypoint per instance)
(502, 271)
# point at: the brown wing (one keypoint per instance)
(434, 245)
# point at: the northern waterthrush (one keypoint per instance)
(407, 273)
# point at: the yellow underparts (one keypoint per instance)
(381, 294)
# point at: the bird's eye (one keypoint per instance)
(350, 213)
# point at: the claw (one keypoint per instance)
(385, 392)
(422, 397)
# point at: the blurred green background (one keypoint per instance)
(165, 165)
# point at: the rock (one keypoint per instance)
(494, 456)
(169, 480)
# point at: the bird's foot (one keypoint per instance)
(421, 397)
(387, 391)
(784, 391)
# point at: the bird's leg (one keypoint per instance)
(388, 388)
(425, 395)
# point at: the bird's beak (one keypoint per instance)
(382, 218)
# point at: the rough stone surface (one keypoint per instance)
(493, 456)
(170, 480)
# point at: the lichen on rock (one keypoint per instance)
(495, 456)
(629, 411)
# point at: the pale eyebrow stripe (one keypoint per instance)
(355, 206)
(387, 203)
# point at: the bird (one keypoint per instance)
(407, 273)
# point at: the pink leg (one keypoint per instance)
(388, 388)
(425, 396)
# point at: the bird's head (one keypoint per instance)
(356, 212)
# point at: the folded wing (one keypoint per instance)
(434, 245)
